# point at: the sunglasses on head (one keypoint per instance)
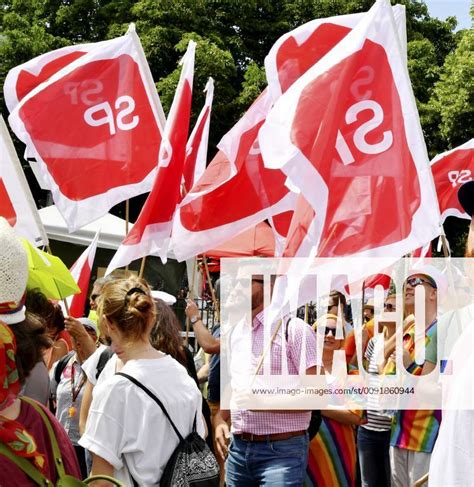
(416, 281)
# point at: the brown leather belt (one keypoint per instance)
(272, 437)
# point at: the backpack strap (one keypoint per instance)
(26, 466)
(52, 437)
(104, 357)
(145, 389)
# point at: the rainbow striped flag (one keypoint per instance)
(332, 456)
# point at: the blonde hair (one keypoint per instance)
(327, 316)
(129, 305)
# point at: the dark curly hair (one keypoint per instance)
(32, 340)
(51, 314)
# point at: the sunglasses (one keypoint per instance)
(328, 329)
(416, 281)
(94, 296)
(389, 307)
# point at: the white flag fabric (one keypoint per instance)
(93, 126)
(16, 201)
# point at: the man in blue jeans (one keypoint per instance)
(269, 448)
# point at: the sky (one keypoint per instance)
(447, 8)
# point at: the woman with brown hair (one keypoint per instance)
(126, 431)
(165, 336)
(53, 318)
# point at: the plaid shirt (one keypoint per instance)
(265, 422)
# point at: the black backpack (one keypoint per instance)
(192, 462)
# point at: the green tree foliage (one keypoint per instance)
(233, 39)
(453, 94)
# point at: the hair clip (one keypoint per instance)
(134, 290)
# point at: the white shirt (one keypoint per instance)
(90, 365)
(452, 460)
(129, 430)
(71, 376)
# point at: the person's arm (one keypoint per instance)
(85, 406)
(101, 467)
(203, 373)
(221, 432)
(391, 344)
(203, 336)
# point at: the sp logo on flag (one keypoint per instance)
(457, 178)
(114, 121)
(90, 149)
(91, 117)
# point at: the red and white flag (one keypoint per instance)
(151, 232)
(298, 50)
(452, 169)
(94, 128)
(196, 148)
(235, 192)
(81, 271)
(17, 205)
(347, 134)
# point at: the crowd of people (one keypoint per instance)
(78, 388)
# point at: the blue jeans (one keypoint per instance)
(373, 448)
(268, 463)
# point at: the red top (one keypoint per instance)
(13, 476)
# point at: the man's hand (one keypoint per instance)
(191, 309)
(222, 434)
(75, 328)
(84, 343)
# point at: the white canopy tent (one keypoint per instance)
(112, 229)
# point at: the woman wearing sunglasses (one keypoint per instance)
(332, 452)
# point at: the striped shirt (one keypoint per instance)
(295, 333)
(376, 420)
